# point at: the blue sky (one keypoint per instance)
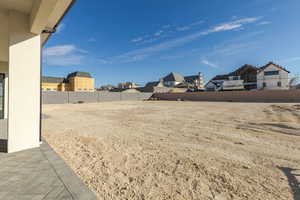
(141, 41)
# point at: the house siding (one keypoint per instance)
(271, 81)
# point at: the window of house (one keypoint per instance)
(271, 73)
(279, 84)
(2, 77)
(264, 84)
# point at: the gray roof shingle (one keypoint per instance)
(173, 77)
(79, 74)
(49, 79)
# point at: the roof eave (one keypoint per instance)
(48, 35)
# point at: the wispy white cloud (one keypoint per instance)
(209, 63)
(234, 46)
(60, 28)
(189, 26)
(143, 53)
(137, 39)
(183, 28)
(264, 23)
(63, 55)
(171, 57)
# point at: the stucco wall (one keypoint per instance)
(24, 84)
(4, 36)
(280, 96)
(75, 97)
(3, 129)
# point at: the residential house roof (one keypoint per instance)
(244, 69)
(79, 74)
(49, 79)
(191, 78)
(221, 77)
(271, 63)
(153, 84)
(173, 77)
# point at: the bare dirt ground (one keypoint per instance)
(180, 150)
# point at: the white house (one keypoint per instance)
(225, 83)
(173, 79)
(272, 77)
(25, 27)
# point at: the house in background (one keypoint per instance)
(272, 77)
(244, 78)
(155, 87)
(173, 79)
(53, 83)
(76, 81)
(248, 77)
(128, 85)
(247, 73)
(106, 88)
(196, 81)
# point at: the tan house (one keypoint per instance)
(76, 81)
(25, 27)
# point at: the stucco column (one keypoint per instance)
(23, 84)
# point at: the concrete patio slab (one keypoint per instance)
(39, 174)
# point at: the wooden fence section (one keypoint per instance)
(276, 96)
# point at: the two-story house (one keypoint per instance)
(272, 77)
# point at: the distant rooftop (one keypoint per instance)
(49, 79)
(79, 74)
(173, 77)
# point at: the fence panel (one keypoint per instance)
(109, 96)
(90, 97)
(55, 97)
(130, 96)
(145, 96)
(280, 96)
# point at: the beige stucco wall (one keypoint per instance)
(272, 81)
(82, 84)
(24, 84)
(3, 35)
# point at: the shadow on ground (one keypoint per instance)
(293, 180)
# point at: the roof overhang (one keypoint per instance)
(44, 15)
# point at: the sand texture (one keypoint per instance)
(180, 150)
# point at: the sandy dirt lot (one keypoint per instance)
(180, 150)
